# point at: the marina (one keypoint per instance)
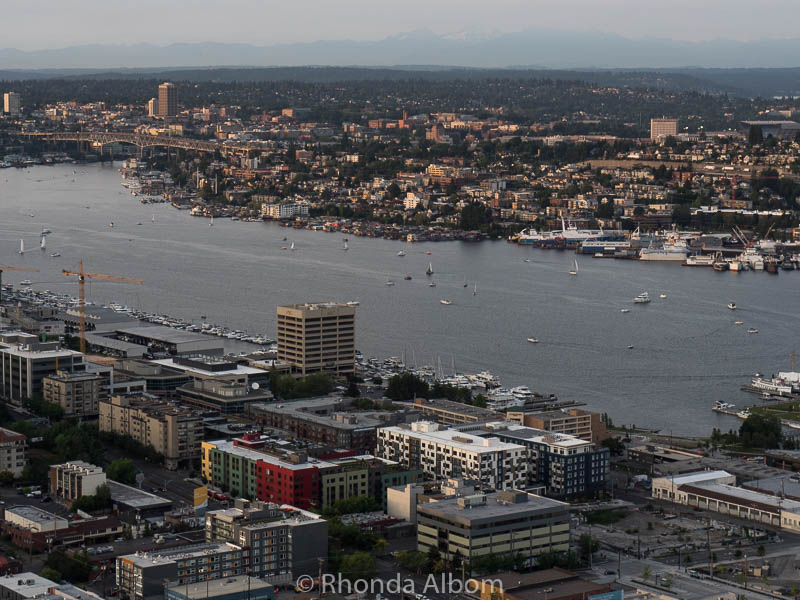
(688, 351)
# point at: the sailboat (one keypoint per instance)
(153, 219)
(401, 253)
(345, 248)
(292, 247)
(389, 282)
(574, 270)
(22, 246)
(43, 245)
(465, 282)
(211, 224)
(475, 290)
(429, 270)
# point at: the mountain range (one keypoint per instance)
(531, 48)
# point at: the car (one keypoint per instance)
(119, 539)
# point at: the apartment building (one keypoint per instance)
(172, 431)
(318, 337)
(509, 522)
(12, 102)
(167, 100)
(13, 452)
(448, 453)
(78, 394)
(25, 362)
(582, 424)
(74, 479)
(283, 210)
(282, 543)
(567, 466)
(143, 574)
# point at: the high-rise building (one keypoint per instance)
(663, 127)
(11, 103)
(167, 100)
(318, 337)
(152, 107)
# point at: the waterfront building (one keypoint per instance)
(72, 480)
(25, 362)
(284, 210)
(78, 394)
(283, 542)
(143, 574)
(172, 431)
(12, 102)
(567, 466)
(663, 127)
(449, 453)
(167, 100)
(509, 522)
(13, 452)
(241, 587)
(318, 337)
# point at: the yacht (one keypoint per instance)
(353, 303)
(26, 282)
(743, 414)
(699, 260)
(642, 298)
(446, 302)
(720, 405)
(774, 385)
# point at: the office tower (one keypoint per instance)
(11, 103)
(167, 100)
(317, 337)
(663, 127)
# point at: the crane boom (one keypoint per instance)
(8, 268)
(82, 277)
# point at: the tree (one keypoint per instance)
(51, 574)
(122, 470)
(761, 431)
(6, 478)
(406, 386)
(588, 546)
(359, 565)
(761, 550)
(646, 573)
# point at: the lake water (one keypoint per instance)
(687, 350)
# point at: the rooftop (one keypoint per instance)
(452, 509)
(152, 559)
(229, 447)
(742, 494)
(691, 478)
(240, 584)
(455, 438)
(27, 585)
(239, 370)
(133, 497)
(166, 335)
(37, 515)
(521, 432)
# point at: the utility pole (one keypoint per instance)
(319, 580)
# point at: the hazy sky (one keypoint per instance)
(37, 24)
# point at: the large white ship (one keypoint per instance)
(669, 252)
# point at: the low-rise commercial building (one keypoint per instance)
(715, 491)
(35, 529)
(509, 522)
(13, 452)
(159, 380)
(449, 453)
(224, 397)
(172, 431)
(573, 421)
(242, 587)
(74, 479)
(78, 394)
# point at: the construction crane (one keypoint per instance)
(7, 268)
(82, 277)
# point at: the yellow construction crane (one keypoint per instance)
(7, 268)
(82, 276)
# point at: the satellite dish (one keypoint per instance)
(255, 386)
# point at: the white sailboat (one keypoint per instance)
(292, 247)
(43, 244)
(211, 224)
(401, 253)
(22, 246)
(429, 270)
(153, 219)
(574, 270)
(345, 247)
(475, 290)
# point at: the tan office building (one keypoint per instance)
(172, 431)
(167, 100)
(74, 479)
(317, 337)
(582, 424)
(663, 127)
(78, 394)
(13, 452)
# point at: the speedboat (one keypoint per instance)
(732, 306)
(533, 340)
(407, 277)
(752, 330)
(630, 347)
(26, 282)
(642, 298)
(445, 302)
(432, 284)
(401, 253)
(662, 296)
(353, 303)
(738, 322)
(624, 310)
(55, 255)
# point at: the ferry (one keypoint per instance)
(699, 260)
(773, 386)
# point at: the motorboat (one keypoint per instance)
(624, 310)
(752, 330)
(732, 305)
(445, 302)
(533, 340)
(642, 298)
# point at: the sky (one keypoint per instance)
(44, 24)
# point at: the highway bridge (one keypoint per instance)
(142, 140)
